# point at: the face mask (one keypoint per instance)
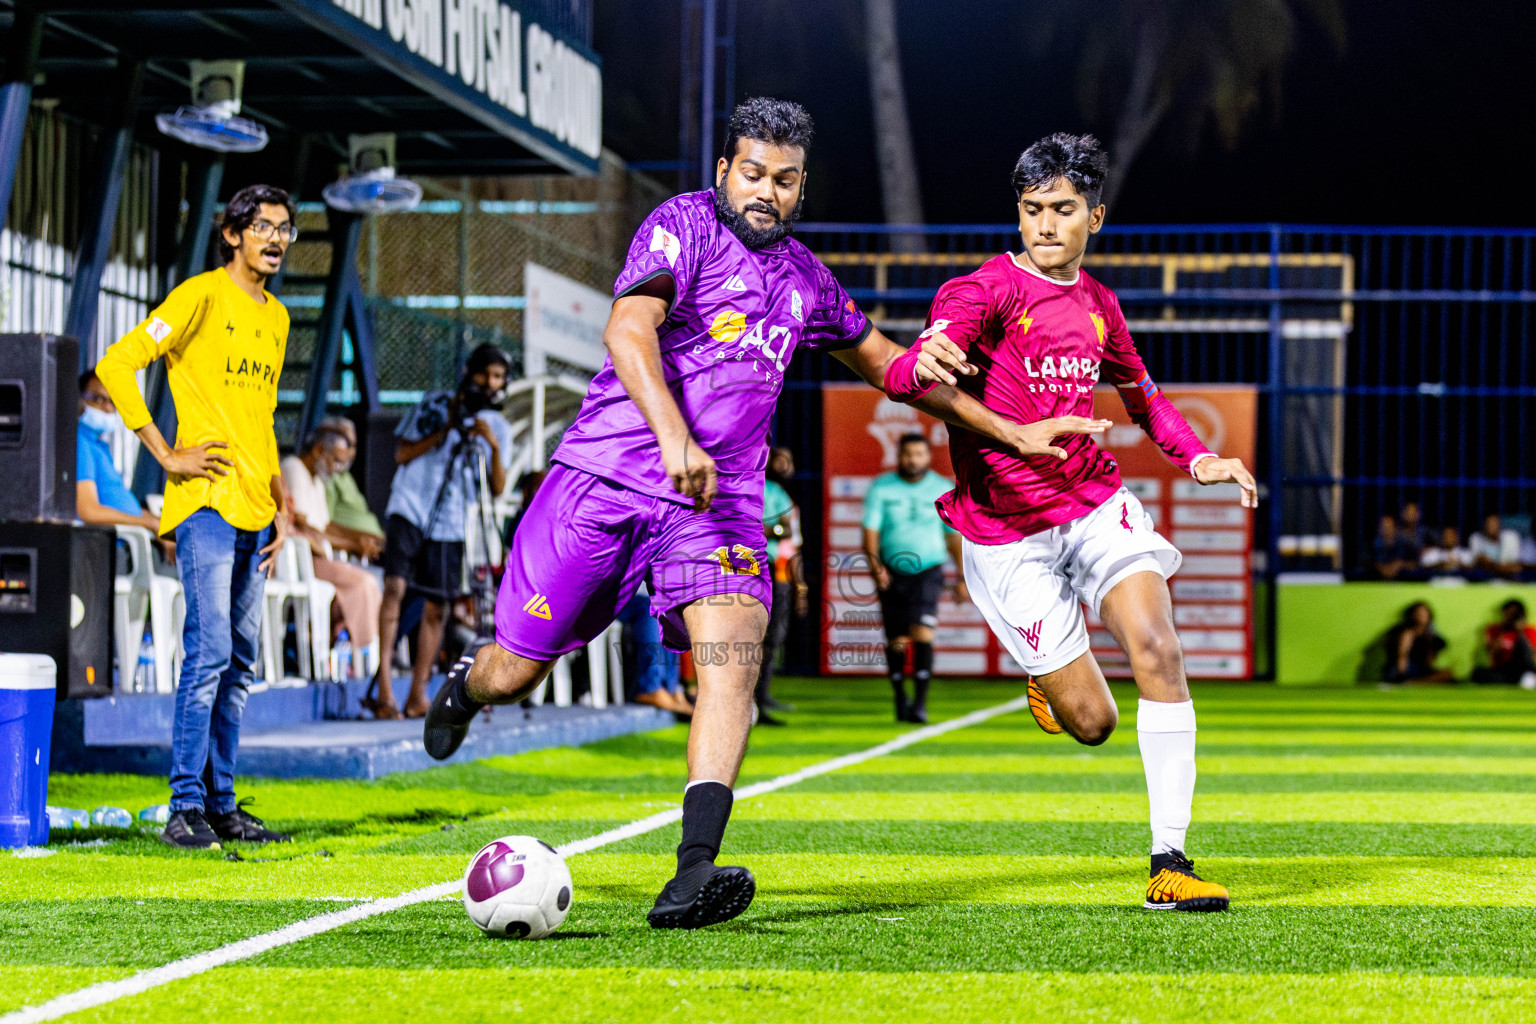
(97, 420)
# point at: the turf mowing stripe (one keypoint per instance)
(111, 991)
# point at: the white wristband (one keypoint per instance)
(1199, 459)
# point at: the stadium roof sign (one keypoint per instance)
(467, 87)
(485, 59)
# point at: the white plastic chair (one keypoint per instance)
(145, 594)
(311, 600)
(605, 668)
(278, 592)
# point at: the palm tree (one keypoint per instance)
(1142, 63)
(900, 196)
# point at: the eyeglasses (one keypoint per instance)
(266, 230)
(98, 400)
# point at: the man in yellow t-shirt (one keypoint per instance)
(222, 335)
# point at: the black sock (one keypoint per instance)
(896, 663)
(458, 694)
(922, 671)
(706, 809)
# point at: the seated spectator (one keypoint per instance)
(101, 496)
(1511, 648)
(1412, 647)
(1448, 557)
(350, 516)
(1389, 555)
(357, 590)
(658, 667)
(1495, 550)
(1412, 532)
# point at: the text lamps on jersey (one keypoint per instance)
(212, 120)
(370, 185)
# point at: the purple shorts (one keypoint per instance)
(585, 545)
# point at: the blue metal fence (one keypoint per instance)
(1395, 364)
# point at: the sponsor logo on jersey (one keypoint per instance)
(1125, 516)
(728, 326)
(1025, 320)
(734, 283)
(796, 309)
(1077, 373)
(158, 329)
(774, 341)
(666, 243)
(538, 607)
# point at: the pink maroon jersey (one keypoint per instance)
(1041, 345)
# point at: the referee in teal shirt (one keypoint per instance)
(906, 543)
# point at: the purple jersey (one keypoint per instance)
(736, 319)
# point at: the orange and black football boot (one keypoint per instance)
(1041, 709)
(1175, 886)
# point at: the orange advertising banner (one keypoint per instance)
(1212, 593)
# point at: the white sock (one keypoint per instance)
(701, 782)
(1166, 733)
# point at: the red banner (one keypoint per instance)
(1212, 593)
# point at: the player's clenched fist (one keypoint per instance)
(1221, 471)
(1035, 438)
(691, 471)
(939, 359)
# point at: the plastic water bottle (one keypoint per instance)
(159, 814)
(108, 816)
(144, 674)
(67, 817)
(343, 656)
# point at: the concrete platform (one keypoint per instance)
(300, 732)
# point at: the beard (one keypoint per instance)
(755, 238)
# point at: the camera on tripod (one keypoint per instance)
(469, 402)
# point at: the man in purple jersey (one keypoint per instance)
(660, 479)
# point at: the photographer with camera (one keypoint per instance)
(442, 447)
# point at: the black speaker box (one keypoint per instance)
(56, 586)
(39, 404)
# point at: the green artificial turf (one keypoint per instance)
(1380, 846)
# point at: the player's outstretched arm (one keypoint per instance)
(632, 343)
(873, 359)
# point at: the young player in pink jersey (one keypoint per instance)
(1044, 535)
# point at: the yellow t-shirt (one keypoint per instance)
(223, 355)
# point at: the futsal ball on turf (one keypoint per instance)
(517, 887)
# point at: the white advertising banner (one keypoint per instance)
(563, 319)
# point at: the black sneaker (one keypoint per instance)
(447, 722)
(764, 718)
(703, 895)
(188, 830)
(240, 825)
(917, 714)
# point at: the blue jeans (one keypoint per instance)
(658, 666)
(218, 567)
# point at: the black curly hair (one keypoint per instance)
(1078, 158)
(776, 122)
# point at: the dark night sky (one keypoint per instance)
(1420, 120)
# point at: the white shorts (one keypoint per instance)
(1032, 591)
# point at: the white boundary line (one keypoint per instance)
(110, 991)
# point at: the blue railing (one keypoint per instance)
(1394, 364)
